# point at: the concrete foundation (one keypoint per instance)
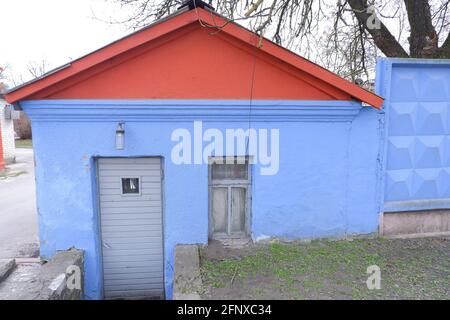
(187, 279)
(59, 279)
(415, 222)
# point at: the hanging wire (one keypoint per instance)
(255, 46)
(252, 85)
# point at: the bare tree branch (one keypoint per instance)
(338, 34)
(37, 69)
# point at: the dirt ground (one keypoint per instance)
(410, 269)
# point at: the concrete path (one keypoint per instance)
(18, 215)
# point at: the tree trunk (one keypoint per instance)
(444, 51)
(423, 39)
(383, 39)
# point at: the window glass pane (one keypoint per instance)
(229, 171)
(219, 209)
(238, 196)
(130, 185)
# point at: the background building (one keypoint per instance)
(7, 127)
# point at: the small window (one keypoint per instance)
(130, 186)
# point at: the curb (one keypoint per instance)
(7, 266)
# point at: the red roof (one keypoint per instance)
(150, 64)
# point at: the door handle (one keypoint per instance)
(106, 245)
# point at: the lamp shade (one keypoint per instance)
(120, 136)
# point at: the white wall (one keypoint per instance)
(7, 127)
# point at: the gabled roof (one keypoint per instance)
(174, 22)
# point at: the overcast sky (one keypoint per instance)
(53, 30)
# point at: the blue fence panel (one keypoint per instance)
(417, 161)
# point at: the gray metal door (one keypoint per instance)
(131, 227)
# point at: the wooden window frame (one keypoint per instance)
(229, 184)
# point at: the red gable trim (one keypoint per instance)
(166, 26)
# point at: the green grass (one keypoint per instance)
(334, 270)
(24, 143)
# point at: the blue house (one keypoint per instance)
(181, 133)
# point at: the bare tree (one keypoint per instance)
(343, 35)
(34, 69)
(3, 85)
(37, 68)
(22, 126)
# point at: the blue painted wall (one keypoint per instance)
(416, 166)
(326, 184)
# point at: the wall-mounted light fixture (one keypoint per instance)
(120, 136)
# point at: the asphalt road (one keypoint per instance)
(18, 215)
